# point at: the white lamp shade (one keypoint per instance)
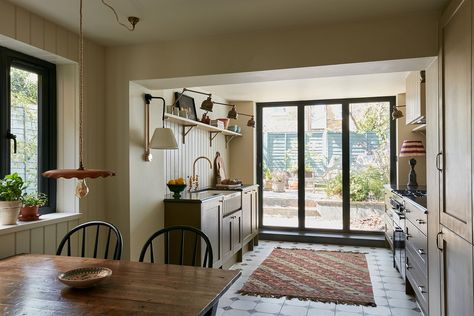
(163, 138)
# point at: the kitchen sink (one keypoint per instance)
(232, 199)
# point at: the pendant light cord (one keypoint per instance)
(81, 90)
(133, 20)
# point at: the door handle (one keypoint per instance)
(437, 241)
(11, 136)
(438, 155)
(421, 288)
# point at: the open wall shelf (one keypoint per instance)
(188, 125)
(419, 128)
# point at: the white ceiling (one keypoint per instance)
(182, 19)
(372, 85)
(368, 79)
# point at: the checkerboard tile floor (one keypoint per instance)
(388, 287)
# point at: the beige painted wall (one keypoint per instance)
(243, 150)
(404, 132)
(148, 179)
(28, 33)
(371, 40)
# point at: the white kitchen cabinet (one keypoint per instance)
(415, 97)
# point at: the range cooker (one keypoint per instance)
(398, 214)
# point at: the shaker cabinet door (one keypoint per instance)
(247, 213)
(456, 120)
(457, 275)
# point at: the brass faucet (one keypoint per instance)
(194, 180)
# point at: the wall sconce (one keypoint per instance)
(206, 105)
(163, 138)
(396, 113)
(233, 114)
(251, 121)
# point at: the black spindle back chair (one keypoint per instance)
(208, 257)
(109, 230)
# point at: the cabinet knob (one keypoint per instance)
(421, 251)
(408, 236)
(420, 221)
(407, 266)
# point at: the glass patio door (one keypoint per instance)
(369, 125)
(323, 164)
(279, 136)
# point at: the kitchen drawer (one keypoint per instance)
(417, 244)
(414, 258)
(419, 283)
(417, 217)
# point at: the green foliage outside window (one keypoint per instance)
(365, 185)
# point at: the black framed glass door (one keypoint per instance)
(322, 164)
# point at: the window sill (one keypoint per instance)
(46, 219)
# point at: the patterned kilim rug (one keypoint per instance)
(319, 275)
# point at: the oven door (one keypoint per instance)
(399, 250)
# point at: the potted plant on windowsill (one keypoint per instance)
(31, 204)
(11, 188)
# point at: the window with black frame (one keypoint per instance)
(28, 122)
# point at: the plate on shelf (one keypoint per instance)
(84, 277)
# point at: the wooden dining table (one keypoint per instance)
(29, 285)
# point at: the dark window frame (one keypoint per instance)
(345, 140)
(47, 118)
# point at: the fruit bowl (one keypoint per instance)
(176, 189)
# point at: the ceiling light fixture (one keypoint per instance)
(163, 137)
(81, 173)
(132, 19)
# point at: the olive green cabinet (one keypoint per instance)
(250, 214)
(231, 234)
(206, 216)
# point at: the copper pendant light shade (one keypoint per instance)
(77, 173)
(81, 173)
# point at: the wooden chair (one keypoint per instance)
(109, 230)
(198, 235)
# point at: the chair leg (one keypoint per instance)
(213, 310)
